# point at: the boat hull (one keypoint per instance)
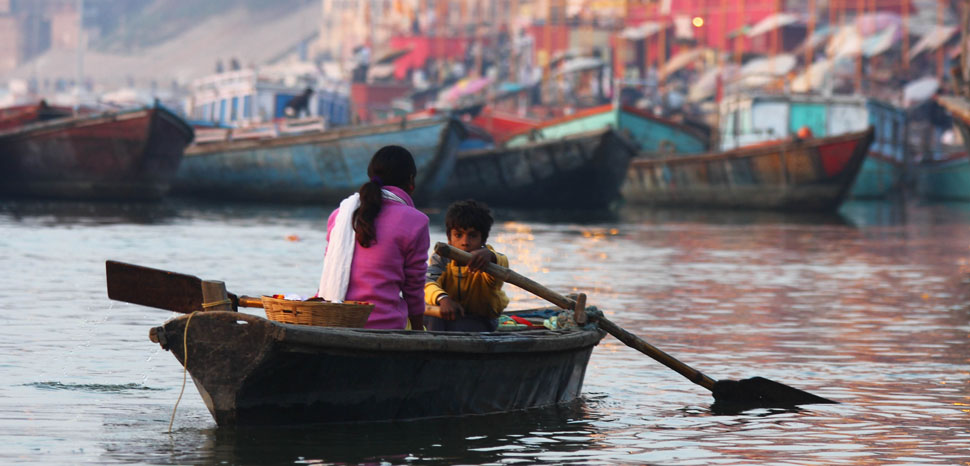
(126, 155)
(252, 371)
(878, 178)
(579, 171)
(813, 175)
(317, 167)
(946, 180)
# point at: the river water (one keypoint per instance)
(868, 307)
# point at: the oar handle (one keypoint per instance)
(627, 338)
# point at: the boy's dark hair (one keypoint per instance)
(469, 214)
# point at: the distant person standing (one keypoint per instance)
(299, 105)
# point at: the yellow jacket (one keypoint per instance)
(478, 293)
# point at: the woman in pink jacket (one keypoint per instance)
(377, 245)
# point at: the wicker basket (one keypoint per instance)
(352, 314)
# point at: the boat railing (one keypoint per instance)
(260, 131)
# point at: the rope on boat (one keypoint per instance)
(185, 367)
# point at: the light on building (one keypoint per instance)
(697, 21)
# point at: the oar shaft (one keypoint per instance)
(657, 354)
(627, 338)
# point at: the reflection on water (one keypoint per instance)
(868, 307)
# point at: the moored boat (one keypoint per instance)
(949, 177)
(582, 170)
(650, 133)
(250, 370)
(759, 118)
(131, 154)
(807, 175)
(315, 165)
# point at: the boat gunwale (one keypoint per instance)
(80, 121)
(535, 144)
(398, 341)
(311, 137)
(779, 145)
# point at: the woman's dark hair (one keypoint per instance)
(390, 166)
(469, 214)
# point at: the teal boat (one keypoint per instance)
(314, 166)
(650, 133)
(949, 178)
(756, 119)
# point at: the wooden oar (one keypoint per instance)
(755, 391)
(172, 291)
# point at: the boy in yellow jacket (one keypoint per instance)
(470, 299)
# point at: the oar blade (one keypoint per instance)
(762, 392)
(153, 287)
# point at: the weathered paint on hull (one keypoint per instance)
(251, 371)
(878, 178)
(127, 155)
(580, 171)
(945, 180)
(812, 175)
(322, 167)
(651, 134)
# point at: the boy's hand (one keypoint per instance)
(481, 258)
(450, 309)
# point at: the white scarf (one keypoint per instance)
(340, 250)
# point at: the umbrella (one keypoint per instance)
(682, 59)
(845, 42)
(770, 23)
(580, 64)
(778, 65)
(873, 23)
(391, 55)
(813, 77)
(919, 90)
(641, 32)
(882, 41)
(932, 40)
(706, 85)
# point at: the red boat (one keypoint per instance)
(124, 155)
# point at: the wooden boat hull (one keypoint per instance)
(252, 371)
(316, 167)
(579, 171)
(125, 155)
(812, 175)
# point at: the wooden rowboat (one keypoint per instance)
(808, 175)
(583, 170)
(252, 371)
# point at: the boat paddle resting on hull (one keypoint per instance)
(811, 175)
(315, 166)
(583, 170)
(124, 155)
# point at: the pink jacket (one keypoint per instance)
(391, 272)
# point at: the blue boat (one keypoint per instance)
(649, 132)
(749, 120)
(313, 166)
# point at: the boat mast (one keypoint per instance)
(79, 66)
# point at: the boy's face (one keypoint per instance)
(466, 239)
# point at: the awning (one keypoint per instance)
(772, 22)
(640, 32)
(932, 40)
(682, 59)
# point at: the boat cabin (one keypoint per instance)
(749, 120)
(244, 97)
